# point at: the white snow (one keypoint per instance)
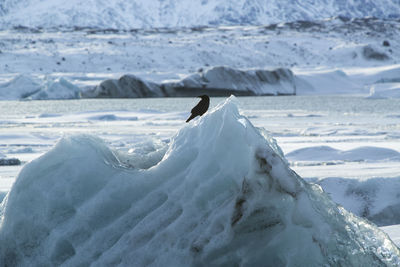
(219, 194)
(328, 82)
(327, 153)
(394, 232)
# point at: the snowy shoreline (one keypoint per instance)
(335, 56)
(373, 82)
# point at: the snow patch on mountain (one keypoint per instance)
(179, 13)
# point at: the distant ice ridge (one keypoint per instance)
(28, 87)
(19, 87)
(180, 13)
(215, 81)
(57, 89)
(221, 193)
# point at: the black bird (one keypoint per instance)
(200, 108)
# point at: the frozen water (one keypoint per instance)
(326, 153)
(57, 89)
(218, 194)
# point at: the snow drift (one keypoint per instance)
(374, 198)
(222, 194)
(327, 153)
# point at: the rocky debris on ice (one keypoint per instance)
(9, 161)
(4, 161)
(221, 193)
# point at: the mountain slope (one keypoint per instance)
(180, 13)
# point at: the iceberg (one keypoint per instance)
(220, 193)
(19, 87)
(56, 89)
(224, 81)
(23, 87)
(216, 81)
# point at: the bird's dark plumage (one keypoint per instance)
(200, 108)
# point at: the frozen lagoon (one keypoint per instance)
(221, 181)
(30, 128)
(308, 129)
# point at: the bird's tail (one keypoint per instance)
(190, 118)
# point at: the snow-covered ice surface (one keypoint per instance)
(220, 194)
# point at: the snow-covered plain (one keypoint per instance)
(333, 56)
